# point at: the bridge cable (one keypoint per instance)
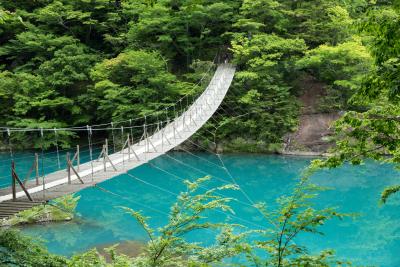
(42, 163)
(128, 200)
(5, 129)
(243, 192)
(165, 214)
(122, 146)
(89, 135)
(175, 194)
(10, 143)
(113, 137)
(131, 130)
(58, 154)
(176, 176)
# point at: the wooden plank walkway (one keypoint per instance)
(9, 208)
(176, 132)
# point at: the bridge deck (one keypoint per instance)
(172, 135)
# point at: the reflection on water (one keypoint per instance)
(49, 162)
(370, 239)
(128, 248)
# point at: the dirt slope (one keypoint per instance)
(314, 130)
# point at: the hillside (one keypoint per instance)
(76, 63)
(313, 136)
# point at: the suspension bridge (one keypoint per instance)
(156, 139)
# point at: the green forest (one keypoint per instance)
(72, 63)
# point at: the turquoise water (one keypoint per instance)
(371, 239)
(49, 161)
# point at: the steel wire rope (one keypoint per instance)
(204, 173)
(10, 144)
(112, 133)
(197, 169)
(203, 187)
(175, 194)
(77, 130)
(251, 201)
(89, 136)
(143, 205)
(47, 166)
(243, 192)
(58, 154)
(13, 129)
(42, 164)
(48, 153)
(129, 200)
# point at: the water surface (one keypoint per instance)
(371, 239)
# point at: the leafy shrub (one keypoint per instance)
(19, 250)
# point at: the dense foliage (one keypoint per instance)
(371, 130)
(19, 250)
(79, 62)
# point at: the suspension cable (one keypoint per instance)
(203, 187)
(74, 128)
(113, 137)
(58, 154)
(89, 135)
(129, 200)
(242, 191)
(42, 163)
(10, 144)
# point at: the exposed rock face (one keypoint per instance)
(313, 134)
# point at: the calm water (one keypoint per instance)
(49, 162)
(371, 239)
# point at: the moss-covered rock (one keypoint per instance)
(60, 209)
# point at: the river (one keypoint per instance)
(371, 238)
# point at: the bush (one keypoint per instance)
(19, 250)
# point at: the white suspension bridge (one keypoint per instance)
(25, 193)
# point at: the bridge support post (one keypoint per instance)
(15, 179)
(68, 168)
(191, 118)
(129, 147)
(78, 161)
(146, 137)
(163, 134)
(103, 152)
(71, 167)
(28, 175)
(37, 168)
(14, 191)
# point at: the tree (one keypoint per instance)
(373, 131)
(133, 84)
(168, 246)
(294, 216)
(317, 22)
(19, 250)
(261, 16)
(342, 68)
(263, 63)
